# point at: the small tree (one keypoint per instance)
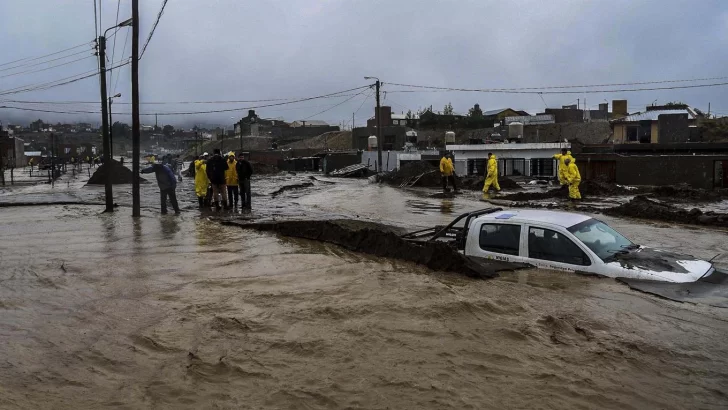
(408, 115)
(475, 112)
(448, 110)
(168, 130)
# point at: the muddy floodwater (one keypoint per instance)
(164, 312)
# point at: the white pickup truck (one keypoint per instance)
(562, 241)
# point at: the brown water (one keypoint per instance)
(180, 312)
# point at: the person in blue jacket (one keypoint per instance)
(167, 184)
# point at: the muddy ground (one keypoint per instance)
(100, 310)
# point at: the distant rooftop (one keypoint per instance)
(652, 115)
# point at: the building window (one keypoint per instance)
(512, 166)
(632, 134)
(500, 238)
(549, 245)
(543, 167)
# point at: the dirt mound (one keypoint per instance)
(598, 187)
(476, 183)
(383, 241)
(646, 208)
(264, 169)
(685, 192)
(118, 173)
(535, 196)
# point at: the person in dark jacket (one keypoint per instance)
(245, 171)
(167, 184)
(216, 167)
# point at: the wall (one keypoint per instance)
(586, 132)
(272, 157)
(303, 132)
(8, 148)
(672, 128)
(334, 161)
(389, 159)
(507, 151)
(619, 133)
(562, 115)
(695, 170)
(360, 137)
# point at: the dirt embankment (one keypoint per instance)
(383, 241)
(646, 208)
(684, 193)
(113, 169)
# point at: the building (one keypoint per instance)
(12, 151)
(309, 123)
(532, 160)
(657, 124)
(500, 114)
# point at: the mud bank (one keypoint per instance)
(384, 241)
(684, 192)
(291, 188)
(118, 173)
(424, 174)
(646, 208)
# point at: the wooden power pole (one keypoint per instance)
(105, 126)
(135, 125)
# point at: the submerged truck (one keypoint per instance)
(565, 241)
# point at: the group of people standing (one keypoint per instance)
(568, 173)
(222, 180)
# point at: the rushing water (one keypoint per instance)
(100, 310)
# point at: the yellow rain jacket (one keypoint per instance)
(562, 166)
(201, 181)
(573, 178)
(231, 174)
(491, 177)
(446, 167)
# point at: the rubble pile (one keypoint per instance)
(412, 170)
(646, 208)
(264, 169)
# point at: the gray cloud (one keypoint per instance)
(247, 50)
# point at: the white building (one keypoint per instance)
(513, 159)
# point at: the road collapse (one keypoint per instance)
(383, 241)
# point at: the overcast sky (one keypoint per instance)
(217, 50)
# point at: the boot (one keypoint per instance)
(217, 205)
(201, 201)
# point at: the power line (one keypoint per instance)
(330, 95)
(113, 49)
(123, 50)
(30, 64)
(514, 91)
(151, 33)
(362, 103)
(331, 108)
(96, 21)
(48, 68)
(56, 83)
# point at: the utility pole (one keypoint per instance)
(135, 126)
(379, 128)
(352, 121)
(241, 135)
(105, 125)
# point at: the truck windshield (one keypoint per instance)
(604, 241)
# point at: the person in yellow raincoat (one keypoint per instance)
(573, 178)
(447, 170)
(231, 179)
(565, 154)
(201, 181)
(491, 177)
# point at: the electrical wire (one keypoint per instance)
(505, 91)
(29, 64)
(154, 27)
(167, 102)
(48, 68)
(362, 103)
(59, 82)
(329, 95)
(123, 50)
(113, 49)
(331, 108)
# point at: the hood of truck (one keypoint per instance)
(655, 264)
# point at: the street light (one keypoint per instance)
(111, 127)
(379, 124)
(105, 102)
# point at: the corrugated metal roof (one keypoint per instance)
(652, 115)
(494, 112)
(404, 116)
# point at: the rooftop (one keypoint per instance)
(559, 218)
(654, 114)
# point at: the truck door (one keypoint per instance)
(551, 249)
(499, 241)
